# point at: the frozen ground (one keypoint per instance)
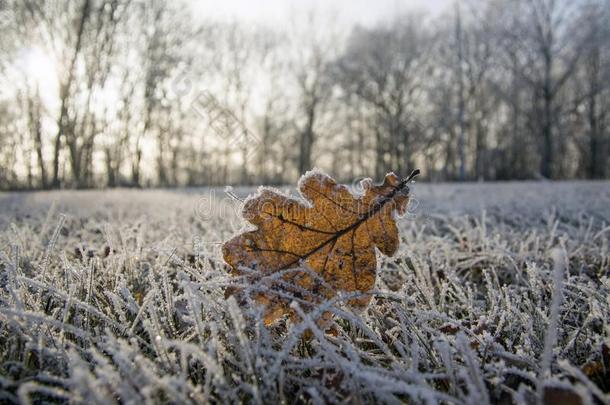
(499, 293)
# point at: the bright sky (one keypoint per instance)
(279, 12)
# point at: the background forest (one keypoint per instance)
(107, 93)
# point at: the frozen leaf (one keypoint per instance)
(561, 395)
(320, 247)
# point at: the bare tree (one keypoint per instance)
(546, 48)
(34, 114)
(310, 67)
(596, 72)
(382, 67)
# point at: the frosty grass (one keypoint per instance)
(498, 293)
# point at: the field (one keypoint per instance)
(499, 293)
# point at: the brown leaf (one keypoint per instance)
(598, 371)
(449, 329)
(560, 395)
(322, 247)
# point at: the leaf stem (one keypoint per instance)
(413, 174)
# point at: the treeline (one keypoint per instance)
(106, 93)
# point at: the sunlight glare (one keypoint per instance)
(41, 71)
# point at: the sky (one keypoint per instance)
(279, 12)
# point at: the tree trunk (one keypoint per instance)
(380, 166)
(36, 131)
(546, 164)
(307, 139)
(594, 130)
(65, 93)
(461, 102)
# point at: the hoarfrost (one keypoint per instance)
(497, 292)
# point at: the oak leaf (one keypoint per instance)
(307, 251)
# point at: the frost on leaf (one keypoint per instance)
(307, 252)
